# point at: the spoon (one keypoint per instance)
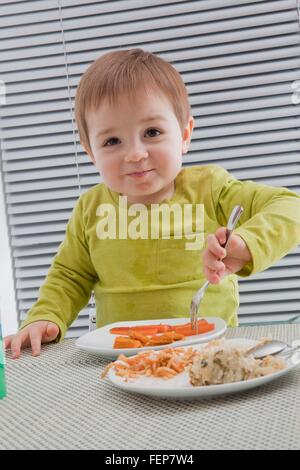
(268, 347)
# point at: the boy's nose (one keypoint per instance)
(136, 154)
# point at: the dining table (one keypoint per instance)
(58, 400)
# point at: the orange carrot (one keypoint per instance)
(126, 342)
(163, 328)
(166, 338)
(201, 322)
(189, 331)
(155, 335)
(164, 364)
(139, 336)
(124, 330)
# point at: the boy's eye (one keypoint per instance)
(110, 142)
(153, 132)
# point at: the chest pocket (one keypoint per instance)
(177, 262)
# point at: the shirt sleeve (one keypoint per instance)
(270, 223)
(70, 279)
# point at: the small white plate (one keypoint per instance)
(100, 341)
(179, 387)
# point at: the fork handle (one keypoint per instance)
(233, 220)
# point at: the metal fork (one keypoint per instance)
(194, 309)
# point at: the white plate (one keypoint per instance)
(179, 387)
(100, 341)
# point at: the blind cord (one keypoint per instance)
(69, 94)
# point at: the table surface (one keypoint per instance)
(57, 401)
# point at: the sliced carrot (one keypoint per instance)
(157, 340)
(150, 330)
(189, 331)
(163, 328)
(142, 328)
(126, 342)
(186, 325)
(146, 330)
(139, 336)
(119, 330)
(166, 338)
(124, 330)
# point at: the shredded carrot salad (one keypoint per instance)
(164, 364)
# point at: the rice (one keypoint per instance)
(220, 362)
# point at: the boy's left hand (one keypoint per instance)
(218, 262)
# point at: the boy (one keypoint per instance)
(135, 123)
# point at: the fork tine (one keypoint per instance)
(194, 314)
(194, 308)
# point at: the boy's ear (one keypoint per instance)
(187, 134)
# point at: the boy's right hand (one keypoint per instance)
(32, 335)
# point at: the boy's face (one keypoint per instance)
(137, 146)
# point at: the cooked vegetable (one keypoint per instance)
(187, 329)
(161, 328)
(124, 330)
(164, 364)
(156, 335)
(124, 342)
(165, 338)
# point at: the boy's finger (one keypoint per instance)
(212, 276)
(51, 333)
(35, 335)
(18, 340)
(221, 235)
(212, 261)
(7, 341)
(213, 245)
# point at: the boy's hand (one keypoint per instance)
(32, 335)
(233, 258)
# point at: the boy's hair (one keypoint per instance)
(126, 71)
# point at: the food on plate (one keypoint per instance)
(124, 342)
(156, 335)
(165, 338)
(144, 329)
(164, 364)
(138, 340)
(220, 362)
(203, 327)
(187, 330)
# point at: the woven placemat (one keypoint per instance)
(57, 401)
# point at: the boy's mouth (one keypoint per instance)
(139, 174)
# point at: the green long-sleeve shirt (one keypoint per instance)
(152, 278)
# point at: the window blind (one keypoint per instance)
(238, 59)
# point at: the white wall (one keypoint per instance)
(8, 308)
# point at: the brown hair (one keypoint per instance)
(126, 71)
